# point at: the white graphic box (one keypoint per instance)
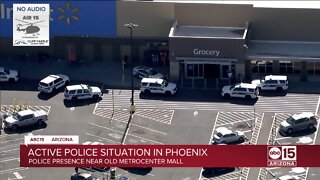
(31, 24)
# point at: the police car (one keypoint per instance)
(146, 72)
(9, 75)
(82, 91)
(241, 90)
(272, 82)
(52, 83)
(157, 86)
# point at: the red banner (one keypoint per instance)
(169, 156)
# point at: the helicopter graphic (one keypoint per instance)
(31, 28)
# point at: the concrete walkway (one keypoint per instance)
(110, 74)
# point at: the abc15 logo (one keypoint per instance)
(286, 153)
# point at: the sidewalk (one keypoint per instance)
(111, 75)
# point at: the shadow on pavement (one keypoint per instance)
(214, 172)
(81, 102)
(47, 96)
(139, 170)
(26, 129)
(299, 133)
(272, 93)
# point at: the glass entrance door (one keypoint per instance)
(195, 70)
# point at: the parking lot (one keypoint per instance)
(190, 117)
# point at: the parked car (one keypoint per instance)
(241, 90)
(157, 86)
(146, 72)
(288, 177)
(9, 75)
(298, 122)
(226, 136)
(272, 82)
(81, 91)
(53, 82)
(218, 170)
(25, 118)
(83, 176)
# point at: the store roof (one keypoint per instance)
(209, 32)
(283, 50)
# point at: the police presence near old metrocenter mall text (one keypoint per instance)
(31, 24)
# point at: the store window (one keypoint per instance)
(313, 68)
(195, 70)
(261, 67)
(289, 67)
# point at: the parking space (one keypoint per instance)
(276, 172)
(247, 122)
(10, 143)
(163, 116)
(304, 137)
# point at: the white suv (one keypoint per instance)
(227, 136)
(298, 122)
(77, 92)
(242, 90)
(9, 75)
(157, 86)
(272, 82)
(53, 82)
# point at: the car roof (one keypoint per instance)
(76, 87)
(246, 85)
(25, 112)
(49, 79)
(83, 174)
(302, 115)
(152, 80)
(276, 77)
(223, 130)
(287, 177)
(142, 67)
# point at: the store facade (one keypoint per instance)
(207, 53)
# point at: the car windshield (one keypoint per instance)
(6, 71)
(16, 116)
(290, 120)
(219, 134)
(43, 84)
(152, 72)
(262, 78)
(164, 83)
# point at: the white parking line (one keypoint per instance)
(13, 170)
(2, 142)
(316, 133)
(10, 150)
(12, 159)
(231, 123)
(17, 175)
(282, 138)
(9, 146)
(127, 134)
(102, 138)
(210, 140)
(153, 130)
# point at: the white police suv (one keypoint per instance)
(82, 91)
(9, 75)
(241, 90)
(52, 83)
(157, 86)
(272, 82)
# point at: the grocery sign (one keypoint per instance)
(73, 18)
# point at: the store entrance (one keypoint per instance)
(207, 71)
(211, 71)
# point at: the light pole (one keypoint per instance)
(131, 26)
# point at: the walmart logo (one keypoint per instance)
(68, 13)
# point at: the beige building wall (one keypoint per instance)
(212, 14)
(154, 19)
(285, 24)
